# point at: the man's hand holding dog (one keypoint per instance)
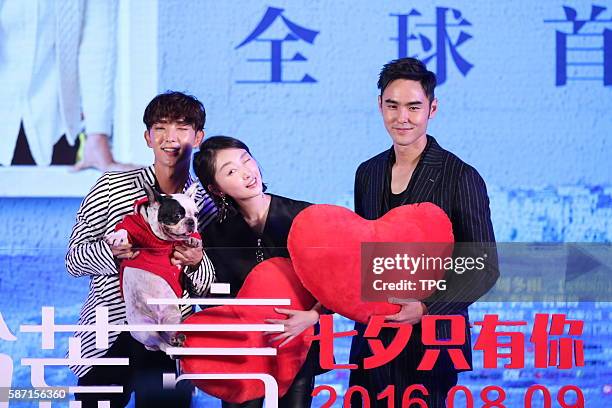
(120, 245)
(188, 254)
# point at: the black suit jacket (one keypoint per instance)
(445, 180)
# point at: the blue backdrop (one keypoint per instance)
(525, 96)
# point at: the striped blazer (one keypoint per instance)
(445, 180)
(109, 200)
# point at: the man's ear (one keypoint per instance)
(433, 108)
(199, 136)
(380, 103)
(147, 137)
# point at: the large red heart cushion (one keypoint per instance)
(325, 247)
(271, 279)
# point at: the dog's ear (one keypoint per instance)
(191, 191)
(153, 195)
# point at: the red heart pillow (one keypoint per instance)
(273, 278)
(325, 247)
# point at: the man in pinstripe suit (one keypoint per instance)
(174, 125)
(416, 169)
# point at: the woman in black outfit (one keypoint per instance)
(252, 226)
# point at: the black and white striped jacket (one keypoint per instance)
(109, 200)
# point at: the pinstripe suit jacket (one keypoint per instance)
(445, 180)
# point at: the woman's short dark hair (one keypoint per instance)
(204, 162)
(408, 68)
(175, 106)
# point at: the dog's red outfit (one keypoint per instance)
(155, 253)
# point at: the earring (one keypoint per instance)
(223, 209)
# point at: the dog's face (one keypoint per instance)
(172, 217)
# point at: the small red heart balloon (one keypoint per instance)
(272, 279)
(325, 244)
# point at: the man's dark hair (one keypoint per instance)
(174, 106)
(408, 68)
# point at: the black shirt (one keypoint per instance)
(390, 200)
(396, 199)
(235, 248)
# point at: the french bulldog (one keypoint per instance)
(159, 222)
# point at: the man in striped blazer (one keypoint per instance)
(174, 125)
(416, 169)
